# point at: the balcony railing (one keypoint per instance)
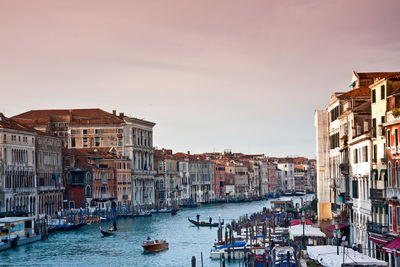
(377, 194)
(392, 192)
(376, 228)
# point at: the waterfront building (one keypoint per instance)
(201, 172)
(78, 128)
(219, 176)
(18, 189)
(138, 146)
(263, 177)
(287, 168)
(184, 175)
(168, 184)
(230, 180)
(272, 178)
(254, 178)
(90, 182)
(49, 172)
(278, 179)
(241, 180)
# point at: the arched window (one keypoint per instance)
(390, 174)
(88, 177)
(69, 178)
(397, 173)
(88, 191)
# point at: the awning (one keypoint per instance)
(379, 240)
(298, 221)
(332, 227)
(393, 246)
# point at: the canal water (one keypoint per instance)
(86, 246)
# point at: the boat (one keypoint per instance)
(301, 193)
(108, 232)
(17, 231)
(162, 211)
(203, 223)
(283, 256)
(155, 245)
(235, 252)
(143, 214)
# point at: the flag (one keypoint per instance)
(59, 181)
(53, 177)
(352, 84)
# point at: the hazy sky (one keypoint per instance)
(245, 75)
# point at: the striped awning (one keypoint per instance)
(379, 240)
(393, 247)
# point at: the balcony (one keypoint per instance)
(143, 172)
(392, 193)
(376, 228)
(377, 194)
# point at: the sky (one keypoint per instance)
(244, 75)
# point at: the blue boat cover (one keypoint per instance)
(235, 244)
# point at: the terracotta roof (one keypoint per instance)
(9, 123)
(373, 75)
(99, 152)
(72, 116)
(361, 91)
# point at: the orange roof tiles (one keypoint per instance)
(361, 91)
(372, 75)
(9, 123)
(72, 116)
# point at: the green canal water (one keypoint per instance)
(86, 246)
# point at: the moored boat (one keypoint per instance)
(107, 232)
(155, 245)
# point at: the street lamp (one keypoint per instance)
(336, 234)
(303, 221)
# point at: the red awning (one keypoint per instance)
(331, 228)
(298, 221)
(393, 246)
(378, 240)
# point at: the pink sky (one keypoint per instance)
(245, 75)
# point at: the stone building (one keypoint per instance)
(138, 146)
(49, 171)
(18, 191)
(241, 180)
(78, 128)
(202, 179)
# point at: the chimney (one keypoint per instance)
(188, 152)
(121, 115)
(114, 112)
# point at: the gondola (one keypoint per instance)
(203, 223)
(108, 232)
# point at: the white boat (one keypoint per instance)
(237, 253)
(17, 231)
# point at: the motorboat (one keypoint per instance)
(155, 245)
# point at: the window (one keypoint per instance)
(389, 174)
(97, 141)
(69, 178)
(396, 137)
(397, 174)
(85, 142)
(97, 131)
(383, 119)
(334, 141)
(355, 188)
(334, 113)
(398, 217)
(88, 177)
(390, 216)
(5, 138)
(355, 155)
(73, 131)
(365, 153)
(119, 141)
(375, 153)
(374, 127)
(85, 131)
(73, 144)
(382, 92)
(388, 138)
(373, 96)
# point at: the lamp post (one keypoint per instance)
(303, 220)
(336, 234)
